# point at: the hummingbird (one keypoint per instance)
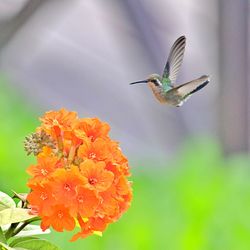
(163, 86)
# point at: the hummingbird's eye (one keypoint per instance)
(155, 82)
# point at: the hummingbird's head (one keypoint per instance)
(154, 79)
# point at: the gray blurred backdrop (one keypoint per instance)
(81, 54)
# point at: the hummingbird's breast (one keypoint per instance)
(158, 92)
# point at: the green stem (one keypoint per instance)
(19, 229)
(2, 238)
(10, 231)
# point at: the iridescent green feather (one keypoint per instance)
(174, 61)
(166, 83)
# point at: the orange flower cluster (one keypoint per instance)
(81, 180)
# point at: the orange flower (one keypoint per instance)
(124, 204)
(118, 170)
(109, 205)
(59, 219)
(92, 128)
(80, 174)
(117, 154)
(45, 166)
(89, 227)
(85, 230)
(97, 150)
(46, 152)
(83, 234)
(86, 202)
(72, 138)
(122, 186)
(41, 197)
(98, 178)
(125, 170)
(65, 183)
(56, 121)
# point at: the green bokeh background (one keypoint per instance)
(199, 200)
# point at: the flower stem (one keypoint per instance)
(25, 223)
(60, 143)
(2, 237)
(10, 231)
(72, 153)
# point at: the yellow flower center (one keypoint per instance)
(92, 181)
(60, 214)
(92, 155)
(55, 122)
(80, 199)
(44, 171)
(67, 187)
(43, 196)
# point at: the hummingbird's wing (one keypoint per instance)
(182, 92)
(189, 88)
(174, 60)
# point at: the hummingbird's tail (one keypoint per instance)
(191, 87)
(204, 81)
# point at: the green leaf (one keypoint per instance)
(13, 215)
(20, 196)
(32, 230)
(21, 239)
(5, 247)
(2, 237)
(19, 204)
(6, 201)
(37, 244)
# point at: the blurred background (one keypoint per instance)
(191, 164)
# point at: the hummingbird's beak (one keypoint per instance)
(143, 81)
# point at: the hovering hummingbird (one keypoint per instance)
(163, 86)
